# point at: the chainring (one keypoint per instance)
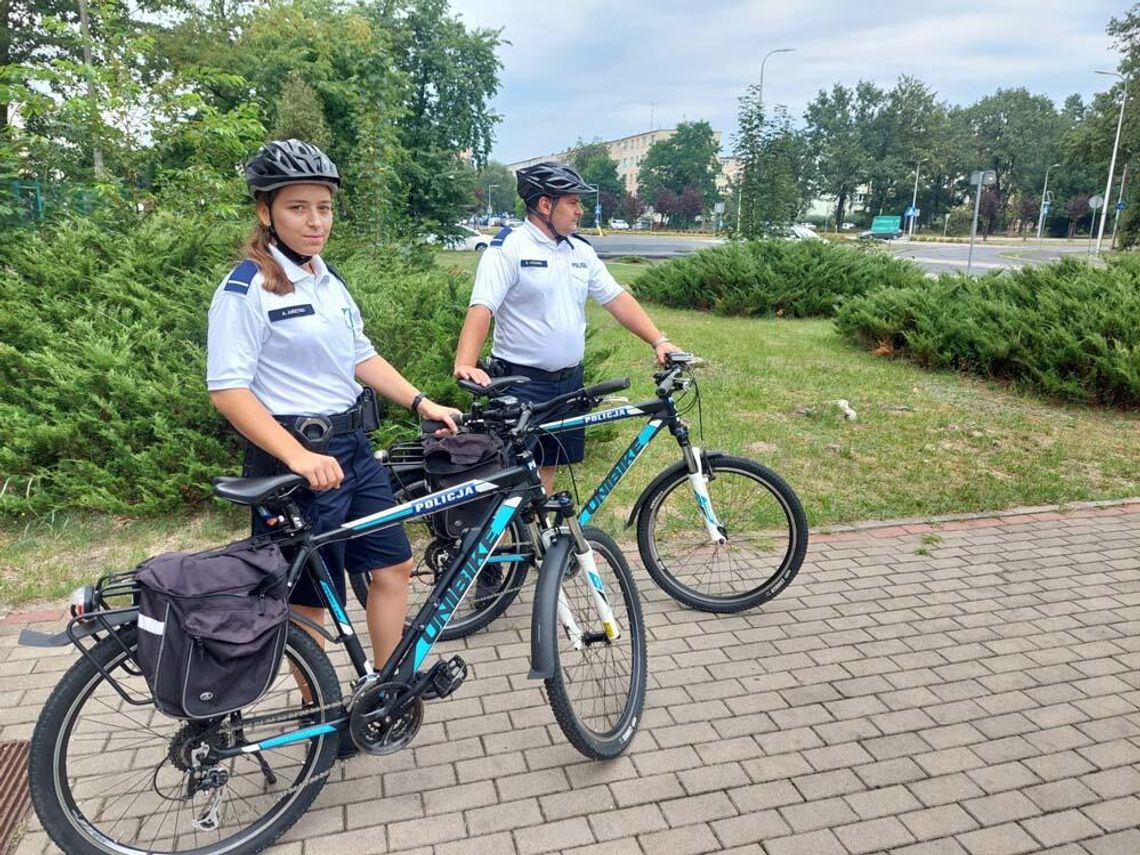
(375, 728)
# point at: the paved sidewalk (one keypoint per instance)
(972, 687)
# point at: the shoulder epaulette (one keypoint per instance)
(240, 277)
(334, 272)
(576, 235)
(498, 239)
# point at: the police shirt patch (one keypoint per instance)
(580, 264)
(236, 287)
(291, 312)
(533, 262)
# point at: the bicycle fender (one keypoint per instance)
(116, 617)
(707, 456)
(544, 615)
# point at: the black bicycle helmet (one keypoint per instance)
(549, 179)
(282, 162)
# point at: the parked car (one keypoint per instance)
(641, 225)
(870, 235)
(469, 239)
(619, 225)
(802, 233)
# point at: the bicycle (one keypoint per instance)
(733, 541)
(109, 774)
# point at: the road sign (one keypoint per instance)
(1045, 210)
(1120, 206)
(886, 225)
(718, 208)
(1096, 202)
(598, 211)
(984, 177)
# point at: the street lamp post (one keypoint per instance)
(1044, 201)
(490, 187)
(1115, 145)
(1119, 202)
(914, 196)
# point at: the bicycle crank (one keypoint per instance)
(383, 721)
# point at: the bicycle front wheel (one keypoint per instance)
(765, 535)
(598, 688)
(109, 777)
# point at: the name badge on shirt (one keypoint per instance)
(291, 312)
(581, 265)
(533, 262)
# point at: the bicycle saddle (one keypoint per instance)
(256, 491)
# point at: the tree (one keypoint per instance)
(496, 178)
(300, 114)
(1077, 208)
(832, 137)
(667, 204)
(774, 165)
(748, 145)
(632, 208)
(1028, 210)
(689, 204)
(686, 159)
(594, 164)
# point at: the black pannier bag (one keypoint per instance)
(212, 627)
(451, 460)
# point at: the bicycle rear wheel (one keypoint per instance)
(598, 688)
(108, 777)
(496, 587)
(764, 525)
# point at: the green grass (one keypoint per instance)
(923, 443)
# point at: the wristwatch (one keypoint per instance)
(416, 401)
(661, 339)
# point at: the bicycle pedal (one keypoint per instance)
(447, 675)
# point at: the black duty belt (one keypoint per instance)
(509, 368)
(316, 431)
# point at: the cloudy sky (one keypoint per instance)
(600, 68)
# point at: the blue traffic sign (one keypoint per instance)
(1120, 206)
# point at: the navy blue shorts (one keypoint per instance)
(555, 449)
(364, 490)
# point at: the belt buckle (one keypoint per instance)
(304, 427)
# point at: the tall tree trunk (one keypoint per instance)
(5, 52)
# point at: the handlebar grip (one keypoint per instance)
(665, 387)
(604, 388)
(430, 426)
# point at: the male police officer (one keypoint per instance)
(534, 281)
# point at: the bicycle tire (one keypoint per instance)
(474, 613)
(672, 538)
(596, 695)
(74, 761)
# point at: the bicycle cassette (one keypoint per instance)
(382, 721)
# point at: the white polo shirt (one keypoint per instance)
(296, 352)
(536, 289)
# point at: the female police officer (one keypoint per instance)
(286, 357)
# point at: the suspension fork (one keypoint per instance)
(587, 566)
(695, 462)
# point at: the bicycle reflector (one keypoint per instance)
(82, 601)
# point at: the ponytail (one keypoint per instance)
(256, 249)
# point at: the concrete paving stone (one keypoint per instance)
(944, 789)
(824, 813)
(553, 836)
(900, 770)
(529, 784)
(505, 816)
(873, 835)
(824, 784)
(1001, 808)
(943, 821)
(1121, 843)
(711, 777)
(1009, 839)
(1107, 755)
(1063, 764)
(1115, 814)
(588, 800)
(750, 829)
(1059, 795)
(822, 842)
(500, 844)
(777, 767)
(759, 797)
(650, 788)
(886, 801)
(1055, 829)
(627, 822)
(688, 840)
(945, 846)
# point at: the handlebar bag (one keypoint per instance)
(212, 627)
(451, 460)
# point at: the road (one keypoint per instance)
(932, 257)
(952, 257)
